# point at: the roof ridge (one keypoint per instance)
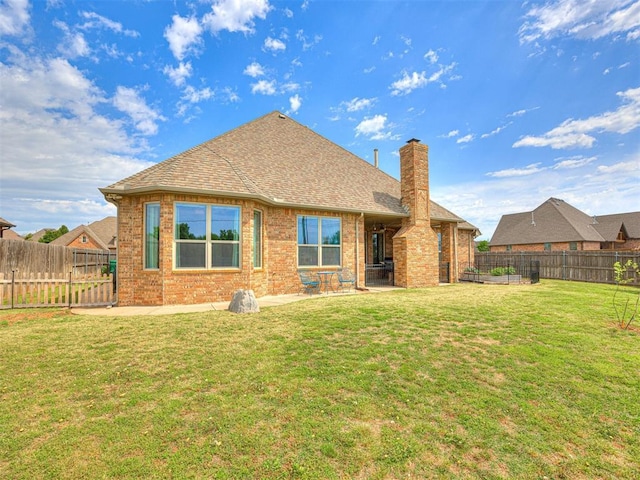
(244, 178)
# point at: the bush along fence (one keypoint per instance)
(45, 290)
(583, 266)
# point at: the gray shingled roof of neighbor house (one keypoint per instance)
(609, 225)
(102, 231)
(281, 162)
(553, 221)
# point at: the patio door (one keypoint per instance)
(377, 241)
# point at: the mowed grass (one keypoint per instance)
(460, 381)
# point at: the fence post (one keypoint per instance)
(13, 283)
(70, 289)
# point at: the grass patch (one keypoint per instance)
(473, 381)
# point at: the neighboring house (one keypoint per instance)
(250, 208)
(99, 235)
(555, 226)
(6, 232)
(38, 235)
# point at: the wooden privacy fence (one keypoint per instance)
(33, 257)
(45, 290)
(584, 266)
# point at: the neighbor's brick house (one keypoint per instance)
(99, 235)
(251, 207)
(557, 226)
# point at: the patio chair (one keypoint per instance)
(346, 279)
(310, 282)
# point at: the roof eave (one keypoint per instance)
(112, 195)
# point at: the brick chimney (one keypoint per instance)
(414, 181)
(415, 246)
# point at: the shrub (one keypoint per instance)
(498, 271)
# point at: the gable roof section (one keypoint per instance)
(103, 232)
(610, 225)
(4, 223)
(279, 161)
(553, 221)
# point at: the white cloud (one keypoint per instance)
(179, 74)
(254, 70)
(374, 128)
(431, 56)
(466, 139)
(295, 102)
(14, 17)
(98, 21)
(573, 162)
(580, 19)
(73, 44)
(495, 132)
(288, 13)
(408, 83)
(356, 104)
(193, 95)
(273, 45)
(574, 133)
(145, 118)
(519, 113)
(631, 168)
(517, 172)
(51, 116)
(264, 87)
(451, 134)
(235, 15)
(306, 43)
(183, 35)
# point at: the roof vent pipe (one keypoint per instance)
(375, 157)
(533, 221)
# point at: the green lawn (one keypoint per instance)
(461, 381)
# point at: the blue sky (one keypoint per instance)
(518, 101)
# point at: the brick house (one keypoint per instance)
(100, 235)
(557, 226)
(250, 208)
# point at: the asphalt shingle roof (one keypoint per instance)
(557, 221)
(102, 231)
(280, 161)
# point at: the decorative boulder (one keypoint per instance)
(244, 301)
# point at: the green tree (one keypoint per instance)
(483, 246)
(51, 235)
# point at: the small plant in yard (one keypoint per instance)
(471, 270)
(625, 273)
(498, 271)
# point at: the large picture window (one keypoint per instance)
(207, 236)
(152, 235)
(319, 241)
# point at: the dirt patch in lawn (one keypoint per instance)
(11, 317)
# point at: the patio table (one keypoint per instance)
(325, 279)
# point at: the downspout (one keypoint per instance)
(455, 254)
(358, 249)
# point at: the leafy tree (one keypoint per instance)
(483, 246)
(51, 235)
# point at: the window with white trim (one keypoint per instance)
(151, 235)
(206, 236)
(257, 239)
(319, 241)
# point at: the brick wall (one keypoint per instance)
(90, 243)
(137, 286)
(539, 247)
